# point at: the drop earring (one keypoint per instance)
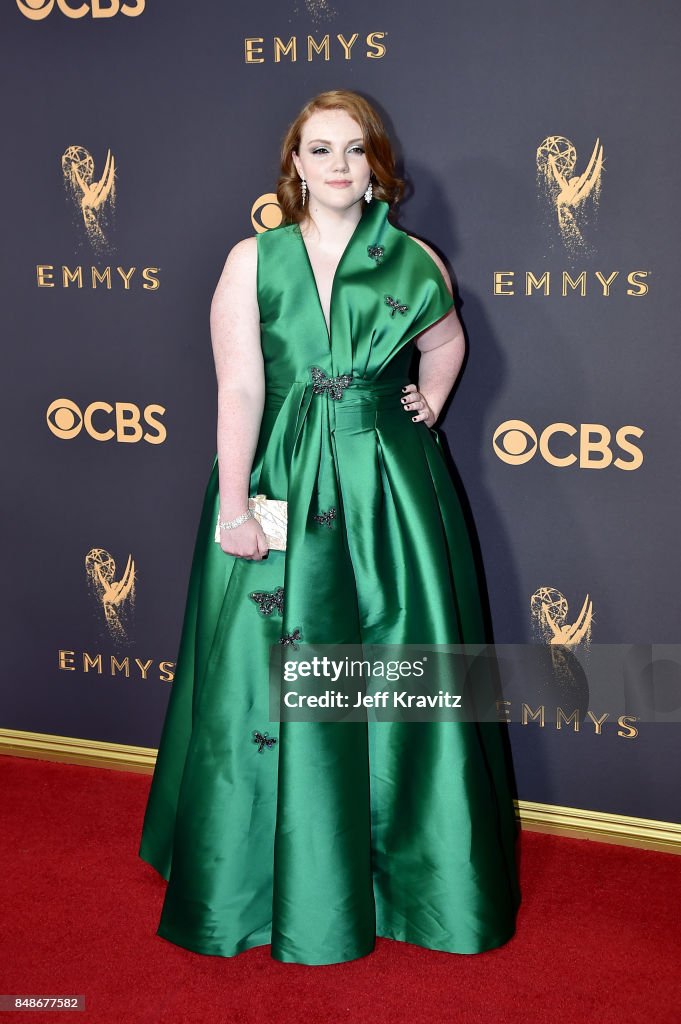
(368, 195)
(303, 190)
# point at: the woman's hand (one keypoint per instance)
(245, 541)
(415, 403)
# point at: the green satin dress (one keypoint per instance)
(337, 832)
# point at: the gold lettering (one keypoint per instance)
(94, 407)
(532, 282)
(598, 722)
(632, 449)
(70, 12)
(579, 283)
(323, 46)
(347, 46)
(372, 40)
(562, 717)
(128, 429)
(545, 437)
(123, 666)
(281, 49)
(44, 273)
(104, 12)
(528, 713)
(506, 710)
(623, 721)
(632, 278)
(133, 12)
(45, 277)
(67, 276)
(251, 49)
(126, 277)
(587, 447)
(148, 275)
(118, 667)
(570, 284)
(606, 282)
(105, 276)
(160, 435)
(500, 283)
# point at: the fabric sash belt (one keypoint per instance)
(303, 462)
(359, 394)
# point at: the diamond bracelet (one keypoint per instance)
(232, 523)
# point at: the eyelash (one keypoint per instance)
(323, 149)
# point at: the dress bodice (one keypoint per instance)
(385, 291)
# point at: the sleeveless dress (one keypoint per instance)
(336, 832)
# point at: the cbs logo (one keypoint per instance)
(104, 422)
(37, 10)
(266, 213)
(515, 442)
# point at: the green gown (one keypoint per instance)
(337, 832)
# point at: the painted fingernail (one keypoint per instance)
(414, 417)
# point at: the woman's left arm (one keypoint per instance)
(442, 347)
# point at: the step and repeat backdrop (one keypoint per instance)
(142, 142)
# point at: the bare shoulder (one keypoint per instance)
(235, 318)
(243, 255)
(436, 260)
(238, 276)
(245, 250)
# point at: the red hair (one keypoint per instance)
(377, 147)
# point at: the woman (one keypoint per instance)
(315, 836)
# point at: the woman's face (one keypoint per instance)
(331, 158)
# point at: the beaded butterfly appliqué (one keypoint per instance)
(263, 739)
(335, 386)
(397, 306)
(267, 601)
(288, 639)
(325, 518)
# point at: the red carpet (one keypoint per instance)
(598, 940)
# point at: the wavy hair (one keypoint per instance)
(377, 147)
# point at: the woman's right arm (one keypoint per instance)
(235, 338)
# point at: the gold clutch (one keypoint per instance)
(272, 514)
